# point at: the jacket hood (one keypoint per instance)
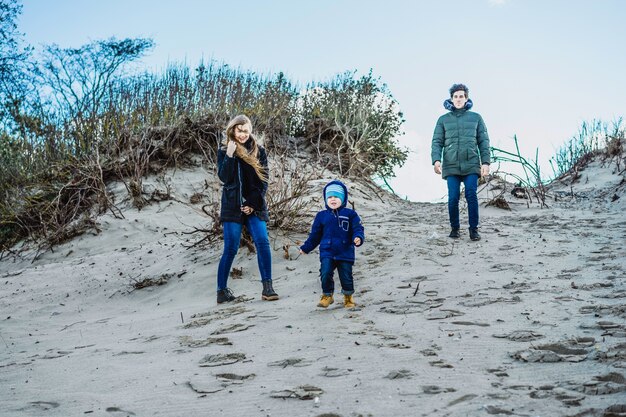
(450, 106)
(345, 190)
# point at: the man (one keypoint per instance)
(460, 153)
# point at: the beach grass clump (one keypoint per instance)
(595, 138)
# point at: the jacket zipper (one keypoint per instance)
(240, 184)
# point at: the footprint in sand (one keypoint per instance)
(233, 379)
(295, 362)
(520, 336)
(40, 406)
(432, 351)
(222, 359)
(574, 350)
(615, 353)
(479, 301)
(54, 354)
(398, 346)
(506, 267)
(443, 314)
(197, 343)
(612, 295)
(238, 327)
(303, 392)
(464, 398)
(605, 310)
(403, 308)
(401, 374)
(206, 385)
(499, 372)
(616, 410)
(612, 383)
(202, 319)
(594, 286)
(609, 328)
(434, 389)
(119, 410)
(517, 286)
(440, 364)
(333, 372)
(492, 409)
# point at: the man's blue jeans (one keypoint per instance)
(232, 237)
(454, 193)
(344, 269)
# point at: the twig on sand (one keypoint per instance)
(416, 288)
(70, 325)
(5, 342)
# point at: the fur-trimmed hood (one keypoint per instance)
(450, 106)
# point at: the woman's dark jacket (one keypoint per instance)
(242, 187)
(460, 141)
(334, 231)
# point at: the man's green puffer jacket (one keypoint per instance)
(460, 141)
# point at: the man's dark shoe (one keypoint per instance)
(224, 296)
(268, 293)
(474, 234)
(455, 234)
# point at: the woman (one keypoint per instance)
(242, 167)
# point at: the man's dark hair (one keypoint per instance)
(459, 87)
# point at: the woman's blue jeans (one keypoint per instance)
(344, 269)
(232, 237)
(454, 193)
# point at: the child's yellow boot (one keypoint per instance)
(325, 301)
(348, 302)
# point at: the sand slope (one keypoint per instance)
(530, 321)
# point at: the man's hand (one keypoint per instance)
(231, 148)
(437, 167)
(484, 170)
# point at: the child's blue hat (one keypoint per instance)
(335, 190)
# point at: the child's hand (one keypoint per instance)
(302, 252)
(357, 241)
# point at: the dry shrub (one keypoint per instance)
(615, 146)
(151, 282)
(499, 202)
(157, 148)
(288, 196)
(210, 234)
(63, 207)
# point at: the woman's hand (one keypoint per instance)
(247, 210)
(231, 148)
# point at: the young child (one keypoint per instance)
(337, 230)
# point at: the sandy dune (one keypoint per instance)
(530, 321)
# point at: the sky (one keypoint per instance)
(536, 69)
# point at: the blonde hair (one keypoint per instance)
(250, 157)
